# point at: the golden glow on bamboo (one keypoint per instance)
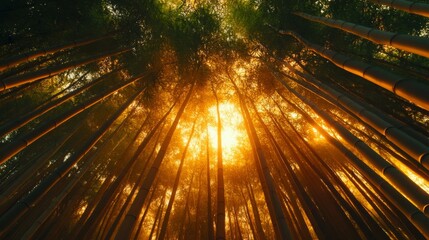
(233, 132)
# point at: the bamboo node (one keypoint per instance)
(345, 61)
(391, 38)
(426, 209)
(366, 70)
(395, 85)
(357, 142)
(369, 32)
(387, 129)
(410, 8)
(424, 158)
(385, 169)
(26, 142)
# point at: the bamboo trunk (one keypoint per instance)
(37, 223)
(8, 219)
(220, 213)
(418, 196)
(414, 7)
(416, 149)
(412, 44)
(278, 218)
(13, 148)
(115, 186)
(10, 62)
(15, 81)
(22, 120)
(163, 230)
(127, 226)
(410, 89)
(404, 184)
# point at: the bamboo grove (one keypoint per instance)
(239, 119)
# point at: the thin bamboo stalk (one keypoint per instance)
(394, 133)
(13, 148)
(10, 62)
(128, 224)
(18, 80)
(8, 219)
(413, 213)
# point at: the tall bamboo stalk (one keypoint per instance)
(414, 211)
(412, 44)
(278, 218)
(416, 149)
(18, 80)
(128, 223)
(13, 148)
(163, 230)
(12, 61)
(414, 7)
(39, 111)
(220, 211)
(8, 219)
(410, 89)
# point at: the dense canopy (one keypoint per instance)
(203, 119)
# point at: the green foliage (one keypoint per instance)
(245, 18)
(190, 34)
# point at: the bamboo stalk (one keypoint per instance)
(412, 44)
(418, 8)
(410, 89)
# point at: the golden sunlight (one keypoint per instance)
(233, 132)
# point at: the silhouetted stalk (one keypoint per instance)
(326, 173)
(248, 216)
(414, 7)
(186, 208)
(140, 224)
(411, 211)
(115, 186)
(13, 148)
(15, 81)
(10, 62)
(36, 224)
(413, 44)
(11, 191)
(410, 89)
(274, 205)
(419, 197)
(127, 226)
(158, 215)
(163, 230)
(8, 219)
(416, 149)
(39, 111)
(210, 230)
(255, 211)
(220, 211)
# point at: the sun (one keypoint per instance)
(233, 132)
